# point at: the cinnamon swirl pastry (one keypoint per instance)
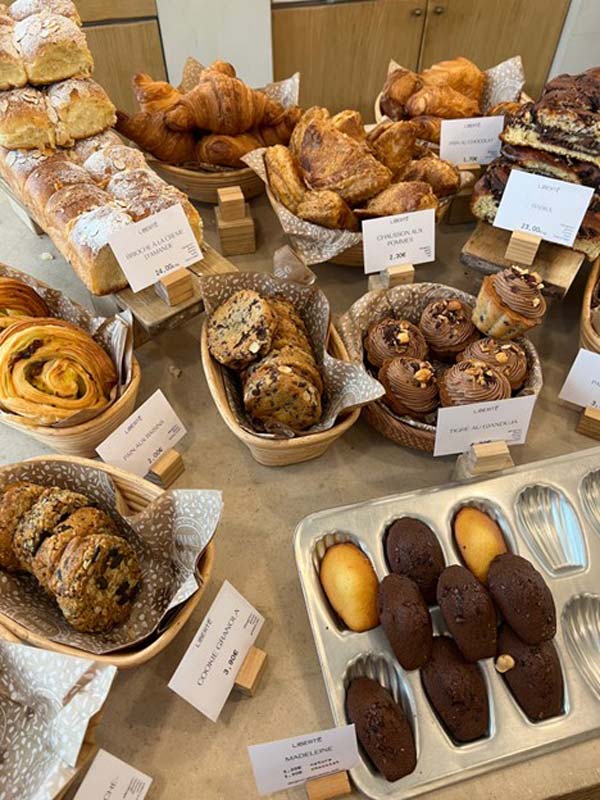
(507, 357)
(472, 381)
(410, 386)
(18, 300)
(394, 337)
(447, 328)
(510, 303)
(51, 370)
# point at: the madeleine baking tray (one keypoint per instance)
(549, 513)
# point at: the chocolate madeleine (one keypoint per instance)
(468, 612)
(405, 618)
(413, 549)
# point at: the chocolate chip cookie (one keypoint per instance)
(16, 500)
(241, 330)
(284, 397)
(291, 358)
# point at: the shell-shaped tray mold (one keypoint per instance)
(550, 526)
(581, 629)
(590, 497)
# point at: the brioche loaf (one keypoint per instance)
(82, 106)
(52, 48)
(12, 69)
(21, 9)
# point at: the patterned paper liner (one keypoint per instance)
(46, 703)
(409, 302)
(114, 334)
(346, 385)
(168, 537)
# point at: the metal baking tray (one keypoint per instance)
(549, 513)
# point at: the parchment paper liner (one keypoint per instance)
(408, 302)
(114, 334)
(168, 536)
(346, 385)
(46, 703)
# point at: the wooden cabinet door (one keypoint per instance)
(121, 50)
(342, 50)
(490, 31)
(101, 10)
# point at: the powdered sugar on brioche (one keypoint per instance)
(94, 229)
(60, 94)
(21, 9)
(105, 163)
(33, 33)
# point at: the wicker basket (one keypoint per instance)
(588, 337)
(276, 452)
(134, 495)
(82, 440)
(202, 186)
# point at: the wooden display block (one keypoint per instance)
(485, 252)
(522, 248)
(251, 672)
(481, 459)
(232, 204)
(168, 468)
(402, 274)
(176, 287)
(238, 236)
(589, 423)
(329, 787)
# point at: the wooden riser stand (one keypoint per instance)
(589, 423)
(481, 459)
(392, 276)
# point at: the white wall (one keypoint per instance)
(579, 46)
(238, 31)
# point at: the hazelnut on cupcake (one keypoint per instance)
(447, 327)
(507, 357)
(394, 337)
(410, 386)
(510, 303)
(472, 381)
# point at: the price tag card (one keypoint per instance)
(207, 672)
(458, 427)
(289, 762)
(544, 207)
(471, 141)
(150, 249)
(142, 439)
(400, 239)
(582, 387)
(109, 778)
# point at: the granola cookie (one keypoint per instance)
(283, 397)
(16, 500)
(293, 359)
(241, 330)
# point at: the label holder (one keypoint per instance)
(329, 787)
(392, 276)
(522, 248)
(167, 468)
(482, 459)
(589, 423)
(251, 672)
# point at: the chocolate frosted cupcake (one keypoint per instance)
(472, 381)
(510, 303)
(447, 328)
(410, 386)
(507, 357)
(394, 337)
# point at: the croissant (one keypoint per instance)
(442, 176)
(441, 101)
(327, 209)
(222, 104)
(284, 178)
(459, 74)
(227, 151)
(427, 128)
(150, 133)
(194, 71)
(51, 370)
(18, 300)
(152, 95)
(507, 108)
(399, 86)
(398, 199)
(280, 131)
(393, 144)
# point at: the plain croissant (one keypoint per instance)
(154, 96)
(222, 104)
(150, 133)
(227, 151)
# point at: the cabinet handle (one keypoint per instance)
(417, 12)
(439, 10)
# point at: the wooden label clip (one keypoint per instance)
(251, 672)
(234, 223)
(168, 468)
(392, 276)
(589, 423)
(522, 248)
(483, 458)
(176, 287)
(329, 787)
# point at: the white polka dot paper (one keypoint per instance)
(168, 537)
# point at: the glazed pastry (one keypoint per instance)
(534, 675)
(427, 128)
(523, 598)
(350, 123)
(327, 208)
(472, 381)
(350, 584)
(150, 133)
(17, 299)
(509, 303)
(284, 177)
(53, 48)
(241, 329)
(154, 96)
(394, 337)
(447, 328)
(410, 386)
(381, 728)
(456, 690)
(399, 86)
(442, 176)
(405, 619)
(227, 151)
(393, 143)
(15, 501)
(21, 9)
(278, 395)
(479, 540)
(51, 370)
(398, 199)
(441, 101)
(468, 612)
(460, 74)
(507, 357)
(96, 582)
(413, 550)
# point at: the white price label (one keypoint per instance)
(400, 239)
(458, 427)
(582, 386)
(290, 762)
(109, 777)
(471, 141)
(207, 672)
(544, 207)
(142, 439)
(152, 248)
